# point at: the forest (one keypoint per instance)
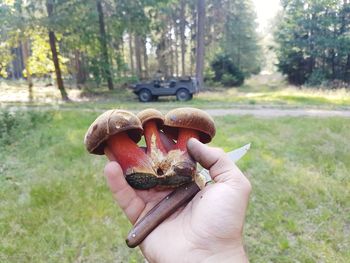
(313, 40)
(106, 41)
(113, 42)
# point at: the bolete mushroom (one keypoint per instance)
(183, 124)
(158, 145)
(152, 120)
(120, 131)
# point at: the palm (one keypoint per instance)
(207, 215)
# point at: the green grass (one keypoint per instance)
(257, 91)
(55, 206)
(274, 91)
(299, 169)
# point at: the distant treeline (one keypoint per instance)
(109, 40)
(313, 38)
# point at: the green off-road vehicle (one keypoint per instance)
(182, 88)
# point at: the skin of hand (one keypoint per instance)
(208, 229)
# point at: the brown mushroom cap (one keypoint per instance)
(190, 118)
(109, 123)
(151, 114)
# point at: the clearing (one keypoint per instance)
(55, 206)
(259, 91)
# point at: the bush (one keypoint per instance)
(230, 80)
(14, 125)
(316, 78)
(295, 66)
(208, 74)
(226, 72)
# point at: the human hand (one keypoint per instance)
(208, 229)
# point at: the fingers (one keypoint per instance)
(109, 154)
(221, 168)
(123, 193)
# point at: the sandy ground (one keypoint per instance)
(273, 112)
(260, 112)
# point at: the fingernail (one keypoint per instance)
(191, 142)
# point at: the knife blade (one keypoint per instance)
(234, 155)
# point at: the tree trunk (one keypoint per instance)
(119, 55)
(182, 36)
(17, 62)
(171, 55)
(347, 70)
(200, 42)
(25, 54)
(138, 56)
(145, 57)
(56, 62)
(52, 41)
(333, 63)
(161, 56)
(131, 53)
(312, 45)
(103, 40)
(343, 28)
(176, 30)
(193, 39)
(79, 69)
(122, 54)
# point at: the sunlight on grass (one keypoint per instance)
(288, 96)
(55, 206)
(17, 91)
(262, 90)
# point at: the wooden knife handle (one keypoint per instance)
(160, 212)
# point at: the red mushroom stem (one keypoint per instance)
(183, 137)
(168, 143)
(127, 153)
(152, 135)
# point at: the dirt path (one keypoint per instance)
(273, 112)
(261, 112)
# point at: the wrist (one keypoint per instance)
(230, 255)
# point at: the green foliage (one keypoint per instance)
(7, 35)
(295, 66)
(230, 28)
(5, 58)
(226, 72)
(15, 125)
(230, 80)
(127, 80)
(240, 39)
(316, 78)
(40, 61)
(209, 74)
(313, 41)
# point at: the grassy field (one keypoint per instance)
(55, 206)
(268, 90)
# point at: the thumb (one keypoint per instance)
(221, 168)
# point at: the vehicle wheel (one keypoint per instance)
(183, 95)
(145, 95)
(155, 98)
